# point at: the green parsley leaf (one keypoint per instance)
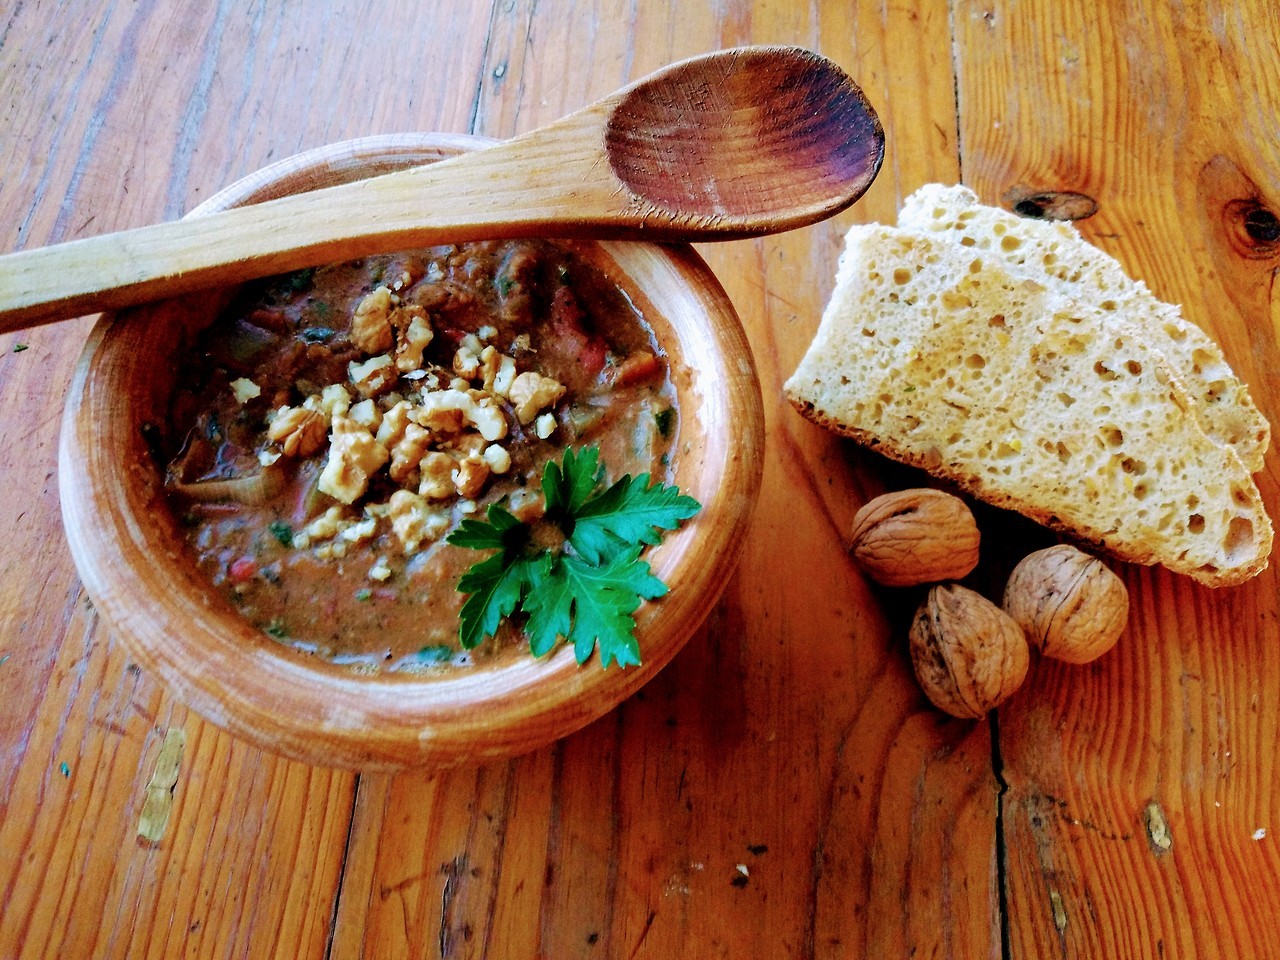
(19, 347)
(282, 531)
(585, 591)
(629, 513)
(605, 601)
(495, 586)
(549, 604)
(494, 535)
(299, 280)
(437, 654)
(567, 487)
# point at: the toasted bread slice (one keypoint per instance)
(936, 355)
(1055, 255)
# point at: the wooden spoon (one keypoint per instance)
(733, 144)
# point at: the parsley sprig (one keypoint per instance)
(576, 573)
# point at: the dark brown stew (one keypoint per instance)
(334, 425)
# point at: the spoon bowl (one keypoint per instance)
(758, 140)
(737, 143)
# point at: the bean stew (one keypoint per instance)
(334, 425)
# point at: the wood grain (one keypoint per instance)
(781, 789)
(758, 747)
(1142, 790)
(252, 857)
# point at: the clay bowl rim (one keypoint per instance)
(176, 626)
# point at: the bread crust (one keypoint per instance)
(944, 361)
(972, 485)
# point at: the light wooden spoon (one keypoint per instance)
(733, 144)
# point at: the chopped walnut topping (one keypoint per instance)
(326, 525)
(446, 411)
(332, 401)
(442, 410)
(354, 455)
(469, 478)
(545, 426)
(414, 520)
(532, 392)
(374, 376)
(300, 432)
(415, 338)
(359, 530)
(470, 446)
(366, 412)
(437, 476)
(433, 430)
(371, 324)
(466, 361)
(498, 459)
(498, 371)
(408, 452)
(245, 390)
(393, 425)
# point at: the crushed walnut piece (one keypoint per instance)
(354, 455)
(371, 324)
(299, 431)
(436, 433)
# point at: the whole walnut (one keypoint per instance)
(969, 655)
(1071, 605)
(915, 536)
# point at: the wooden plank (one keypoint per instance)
(1143, 791)
(240, 862)
(250, 858)
(782, 788)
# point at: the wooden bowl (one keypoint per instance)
(136, 568)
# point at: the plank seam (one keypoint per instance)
(341, 885)
(1002, 852)
(955, 87)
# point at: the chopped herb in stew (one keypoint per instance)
(333, 426)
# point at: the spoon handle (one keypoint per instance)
(538, 184)
(736, 143)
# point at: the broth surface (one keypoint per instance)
(334, 425)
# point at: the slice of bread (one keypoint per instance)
(938, 356)
(1055, 255)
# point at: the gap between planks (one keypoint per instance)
(359, 863)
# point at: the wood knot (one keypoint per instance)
(1051, 204)
(1252, 228)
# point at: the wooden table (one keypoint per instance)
(782, 789)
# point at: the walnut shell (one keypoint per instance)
(969, 655)
(1071, 605)
(915, 536)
